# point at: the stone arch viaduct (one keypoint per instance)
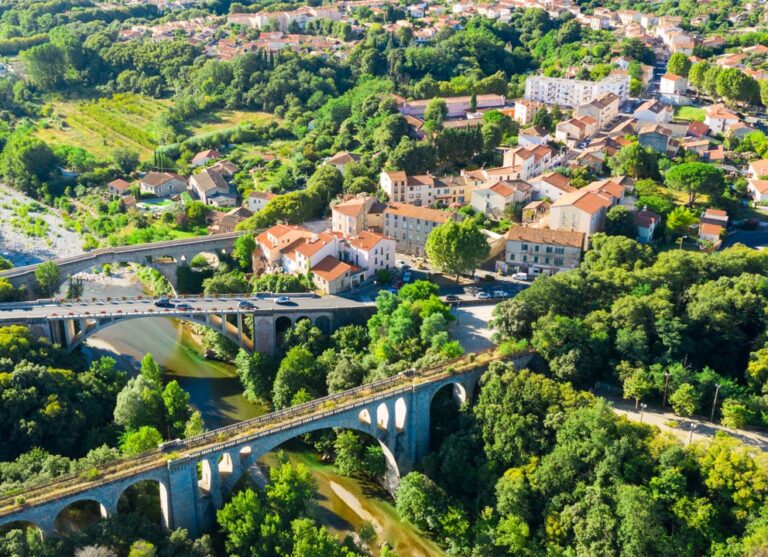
(180, 250)
(394, 411)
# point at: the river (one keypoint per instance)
(343, 504)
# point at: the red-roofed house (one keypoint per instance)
(118, 187)
(204, 157)
(758, 190)
(719, 118)
(331, 275)
(710, 232)
(646, 222)
(581, 210)
(495, 200)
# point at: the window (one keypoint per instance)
(511, 256)
(559, 261)
(549, 249)
(536, 259)
(535, 248)
(525, 258)
(525, 247)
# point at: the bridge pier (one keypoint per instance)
(181, 508)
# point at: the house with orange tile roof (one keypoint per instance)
(537, 251)
(711, 233)
(331, 275)
(354, 215)
(118, 187)
(758, 190)
(369, 251)
(495, 200)
(551, 186)
(758, 169)
(575, 129)
(719, 118)
(410, 225)
(581, 210)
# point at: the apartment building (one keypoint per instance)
(527, 162)
(602, 110)
(353, 216)
(575, 92)
(457, 106)
(497, 199)
(537, 251)
(425, 190)
(525, 110)
(410, 225)
(580, 211)
(576, 129)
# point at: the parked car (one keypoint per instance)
(282, 300)
(391, 290)
(520, 276)
(483, 295)
(451, 298)
(500, 294)
(407, 276)
(164, 303)
(400, 264)
(245, 304)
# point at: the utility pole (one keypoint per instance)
(642, 409)
(690, 437)
(666, 386)
(714, 404)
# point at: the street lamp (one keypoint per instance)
(642, 409)
(714, 403)
(666, 386)
(690, 437)
(683, 237)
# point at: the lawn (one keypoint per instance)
(690, 113)
(227, 119)
(99, 126)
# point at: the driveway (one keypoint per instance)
(757, 239)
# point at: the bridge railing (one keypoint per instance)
(227, 436)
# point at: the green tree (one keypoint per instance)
(177, 410)
(436, 112)
(256, 372)
(45, 66)
(694, 179)
(47, 276)
(696, 74)
(685, 400)
(679, 64)
(306, 335)
(421, 501)
(620, 222)
(241, 521)
(144, 439)
(457, 248)
(299, 369)
(245, 245)
(736, 86)
(635, 161)
(27, 162)
(680, 220)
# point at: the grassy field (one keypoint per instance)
(126, 120)
(690, 113)
(99, 126)
(228, 119)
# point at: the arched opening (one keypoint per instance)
(324, 324)
(444, 412)
(401, 413)
(78, 515)
(22, 525)
(148, 498)
(382, 416)
(282, 324)
(365, 416)
(226, 464)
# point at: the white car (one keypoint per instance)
(483, 295)
(400, 264)
(520, 276)
(500, 294)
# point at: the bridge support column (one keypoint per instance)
(181, 505)
(69, 331)
(240, 328)
(212, 481)
(417, 425)
(223, 322)
(54, 328)
(264, 337)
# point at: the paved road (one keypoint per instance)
(9, 312)
(702, 431)
(757, 239)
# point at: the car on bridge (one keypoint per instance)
(282, 300)
(245, 304)
(164, 303)
(183, 306)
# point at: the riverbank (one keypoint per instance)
(23, 249)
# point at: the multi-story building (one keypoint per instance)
(581, 211)
(370, 251)
(576, 129)
(527, 162)
(497, 199)
(538, 251)
(525, 110)
(425, 190)
(162, 184)
(603, 109)
(257, 200)
(457, 106)
(410, 225)
(575, 92)
(353, 216)
(213, 189)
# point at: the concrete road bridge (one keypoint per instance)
(394, 411)
(259, 327)
(179, 251)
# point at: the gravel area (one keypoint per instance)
(22, 249)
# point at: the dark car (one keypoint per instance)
(451, 298)
(245, 304)
(164, 303)
(183, 306)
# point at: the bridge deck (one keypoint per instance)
(237, 433)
